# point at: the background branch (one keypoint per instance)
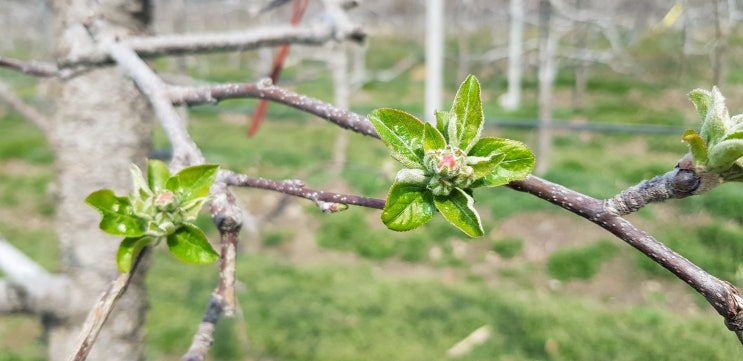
(204, 336)
(35, 68)
(178, 44)
(30, 288)
(264, 89)
(30, 113)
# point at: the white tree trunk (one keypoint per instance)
(547, 72)
(341, 88)
(512, 99)
(98, 129)
(434, 57)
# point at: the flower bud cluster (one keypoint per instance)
(448, 169)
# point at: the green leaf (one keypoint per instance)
(459, 209)
(702, 100)
(140, 190)
(696, 145)
(402, 133)
(735, 125)
(191, 208)
(465, 130)
(189, 244)
(724, 154)
(408, 206)
(193, 182)
(432, 138)
(713, 126)
(483, 166)
(117, 214)
(129, 249)
(517, 162)
(442, 123)
(157, 175)
(735, 135)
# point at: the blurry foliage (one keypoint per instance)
(580, 262)
(508, 247)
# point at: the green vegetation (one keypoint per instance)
(371, 310)
(580, 262)
(508, 247)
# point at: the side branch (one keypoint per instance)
(227, 216)
(178, 44)
(296, 188)
(30, 113)
(204, 337)
(185, 151)
(723, 296)
(98, 315)
(675, 184)
(264, 89)
(34, 68)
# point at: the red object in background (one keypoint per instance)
(260, 110)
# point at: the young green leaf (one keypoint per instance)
(517, 163)
(189, 244)
(432, 138)
(459, 209)
(157, 175)
(193, 182)
(128, 251)
(723, 154)
(402, 133)
(191, 208)
(713, 126)
(140, 190)
(467, 107)
(702, 100)
(117, 214)
(696, 145)
(442, 123)
(408, 206)
(483, 166)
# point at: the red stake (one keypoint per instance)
(260, 110)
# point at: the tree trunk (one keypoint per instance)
(98, 129)
(434, 58)
(547, 70)
(512, 99)
(719, 65)
(341, 89)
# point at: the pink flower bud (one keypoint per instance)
(447, 161)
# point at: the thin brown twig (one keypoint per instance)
(264, 89)
(39, 120)
(204, 336)
(98, 315)
(297, 188)
(35, 68)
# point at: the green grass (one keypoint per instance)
(508, 247)
(580, 262)
(350, 312)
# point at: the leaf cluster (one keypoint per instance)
(443, 163)
(163, 206)
(718, 147)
